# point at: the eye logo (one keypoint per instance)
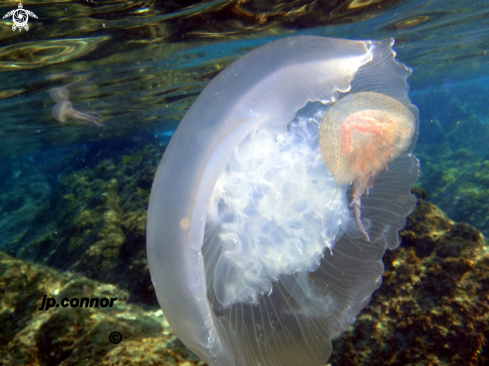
(20, 17)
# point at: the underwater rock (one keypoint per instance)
(77, 336)
(432, 308)
(94, 222)
(458, 182)
(452, 152)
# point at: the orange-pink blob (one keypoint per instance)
(360, 135)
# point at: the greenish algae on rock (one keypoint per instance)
(457, 182)
(94, 222)
(453, 151)
(432, 309)
(78, 336)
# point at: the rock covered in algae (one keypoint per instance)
(78, 336)
(458, 182)
(432, 309)
(433, 305)
(453, 153)
(94, 220)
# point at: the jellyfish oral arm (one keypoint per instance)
(359, 187)
(92, 117)
(201, 209)
(358, 214)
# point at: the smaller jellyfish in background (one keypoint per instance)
(63, 109)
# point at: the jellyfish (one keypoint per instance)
(359, 136)
(256, 247)
(63, 109)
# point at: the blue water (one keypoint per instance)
(141, 66)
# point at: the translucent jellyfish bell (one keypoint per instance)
(252, 245)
